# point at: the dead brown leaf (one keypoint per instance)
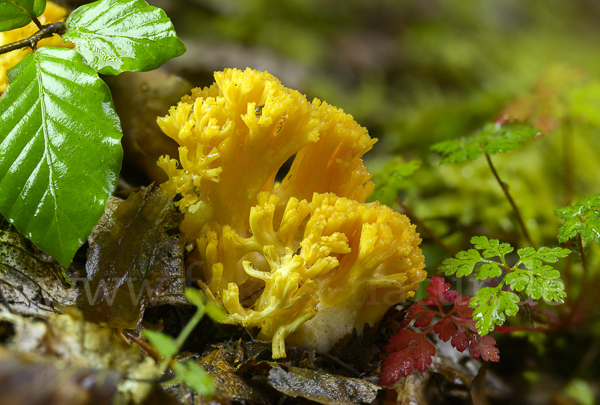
(136, 262)
(31, 281)
(228, 385)
(64, 359)
(27, 380)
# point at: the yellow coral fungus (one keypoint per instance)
(236, 135)
(306, 261)
(350, 263)
(52, 13)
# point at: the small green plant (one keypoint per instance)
(391, 179)
(59, 132)
(492, 139)
(189, 373)
(528, 274)
(513, 278)
(582, 220)
(581, 227)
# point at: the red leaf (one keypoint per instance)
(485, 346)
(440, 292)
(461, 339)
(401, 340)
(409, 350)
(437, 287)
(422, 353)
(415, 309)
(445, 329)
(396, 365)
(424, 319)
(450, 295)
(462, 306)
(414, 350)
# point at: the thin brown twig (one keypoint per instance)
(582, 255)
(425, 228)
(147, 347)
(510, 200)
(46, 31)
(122, 336)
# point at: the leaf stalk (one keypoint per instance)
(37, 22)
(46, 31)
(510, 200)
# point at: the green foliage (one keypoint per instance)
(59, 132)
(391, 179)
(164, 344)
(529, 274)
(532, 258)
(195, 297)
(580, 391)
(466, 261)
(492, 306)
(491, 247)
(61, 152)
(491, 139)
(189, 373)
(582, 219)
(214, 311)
(116, 36)
(192, 375)
(19, 13)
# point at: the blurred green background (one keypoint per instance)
(416, 73)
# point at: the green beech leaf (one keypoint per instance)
(60, 150)
(19, 13)
(117, 36)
